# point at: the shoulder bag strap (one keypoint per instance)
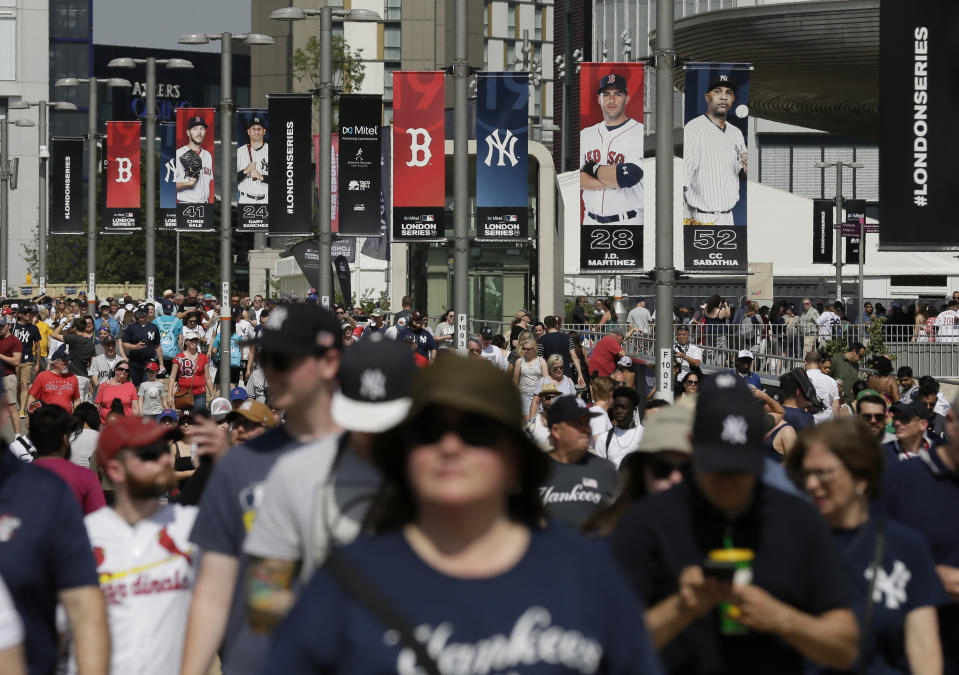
(867, 616)
(353, 582)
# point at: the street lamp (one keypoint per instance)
(7, 174)
(227, 168)
(91, 175)
(325, 92)
(839, 165)
(44, 154)
(151, 119)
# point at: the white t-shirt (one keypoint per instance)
(826, 389)
(494, 355)
(639, 319)
(598, 427)
(825, 322)
(245, 330)
(622, 443)
(948, 324)
(693, 352)
(83, 447)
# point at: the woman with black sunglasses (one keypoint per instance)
(463, 554)
(118, 387)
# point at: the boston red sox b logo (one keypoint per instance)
(124, 169)
(420, 140)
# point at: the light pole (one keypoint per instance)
(44, 154)
(838, 201)
(461, 192)
(149, 229)
(227, 168)
(7, 175)
(325, 94)
(92, 83)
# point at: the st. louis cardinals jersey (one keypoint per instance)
(252, 191)
(146, 573)
(622, 144)
(711, 159)
(199, 193)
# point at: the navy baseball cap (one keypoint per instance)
(256, 120)
(196, 121)
(374, 393)
(915, 408)
(728, 427)
(568, 407)
(612, 81)
(300, 329)
(721, 80)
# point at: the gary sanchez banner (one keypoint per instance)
(291, 210)
(193, 169)
(502, 157)
(123, 177)
(716, 163)
(252, 170)
(66, 186)
(359, 165)
(611, 166)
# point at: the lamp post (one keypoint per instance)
(838, 202)
(227, 167)
(7, 175)
(151, 120)
(92, 83)
(325, 94)
(44, 154)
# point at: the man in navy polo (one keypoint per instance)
(141, 342)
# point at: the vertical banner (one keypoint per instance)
(716, 162)
(167, 218)
(345, 246)
(193, 169)
(855, 212)
(419, 155)
(342, 269)
(123, 177)
(502, 156)
(306, 253)
(252, 170)
(289, 192)
(359, 165)
(611, 166)
(334, 182)
(919, 97)
(379, 247)
(822, 231)
(66, 186)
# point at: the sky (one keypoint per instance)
(158, 23)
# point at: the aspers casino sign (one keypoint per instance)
(168, 99)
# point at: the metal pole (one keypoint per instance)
(226, 169)
(4, 200)
(42, 224)
(665, 58)
(324, 238)
(91, 199)
(839, 232)
(177, 283)
(862, 257)
(461, 195)
(150, 224)
(567, 142)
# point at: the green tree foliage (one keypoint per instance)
(348, 67)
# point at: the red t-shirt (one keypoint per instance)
(603, 359)
(53, 389)
(107, 393)
(8, 346)
(190, 374)
(84, 483)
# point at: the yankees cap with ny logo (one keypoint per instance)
(728, 427)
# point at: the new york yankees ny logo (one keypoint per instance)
(506, 148)
(892, 585)
(170, 171)
(124, 169)
(420, 140)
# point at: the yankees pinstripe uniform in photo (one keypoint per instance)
(714, 156)
(252, 164)
(611, 173)
(193, 177)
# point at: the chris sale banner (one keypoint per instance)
(419, 156)
(359, 165)
(123, 178)
(252, 169)
(289, 154)
(66, 186)
(716, 164)
(167, 219)
(193, 169)
(502, 157)
(611, 182)
(822, 231)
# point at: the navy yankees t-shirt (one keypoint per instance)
(149, 334)
(563, 608)
(29, 335)
(573, 492)
(424, 341)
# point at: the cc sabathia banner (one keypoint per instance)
(291, 202)
(419, 156)
(359, 165)
(66, 186)
(716, 163)
(167, 219)
(123, 178)
(252, 170)
(611, 178)
(193, 169)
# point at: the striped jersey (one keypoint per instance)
(711, 159)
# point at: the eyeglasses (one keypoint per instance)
(663, 468)
(822, 475)
(477, 430)
(872, 417)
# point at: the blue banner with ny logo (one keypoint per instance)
(502, 156)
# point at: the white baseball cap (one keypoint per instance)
(745, 354)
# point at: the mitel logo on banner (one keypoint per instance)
(66, 186)
(291, 210)
(193, 169)
(123, 177)
(359, 165)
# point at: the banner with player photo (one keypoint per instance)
(715, 161)
(611, 181)
(419, 155)
(66, 186)
(502, 157)
(855, 212)
(289, 149)
(822, 231)
(167, 217)
(252, 170)
(359, 165)
(193, 169)
(123, 178)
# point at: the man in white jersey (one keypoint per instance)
(611, 173)
(252, 164)
(193, 185)
(947, 322)
(714, 156)
(144, 558)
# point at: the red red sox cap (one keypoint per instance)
(612, 81)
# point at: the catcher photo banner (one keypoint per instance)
(419, 155)
(167, 218)
(919, 97)
(611, 179)
(123, 177)
(66, 186)
(289, 155)
(716, 163)
(822, 231)
(359, 165)
(193, 169)
(252, 169)
(502, 157)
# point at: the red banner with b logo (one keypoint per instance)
(123, 177)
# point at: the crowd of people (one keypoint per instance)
(366, 499)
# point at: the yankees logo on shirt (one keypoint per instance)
(621, 144)
(199, 192)
(712, 164)
(250, 189)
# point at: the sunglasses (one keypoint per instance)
(903, 419)
(278, 361)
(662, 468)
(473, 429)
(150, 453)
(548, 397)
(872, 417)
(123, 370)
(692, 383)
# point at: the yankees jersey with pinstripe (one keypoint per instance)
(252, 191)
(199, 192)
(622, 144)
(711, 159)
